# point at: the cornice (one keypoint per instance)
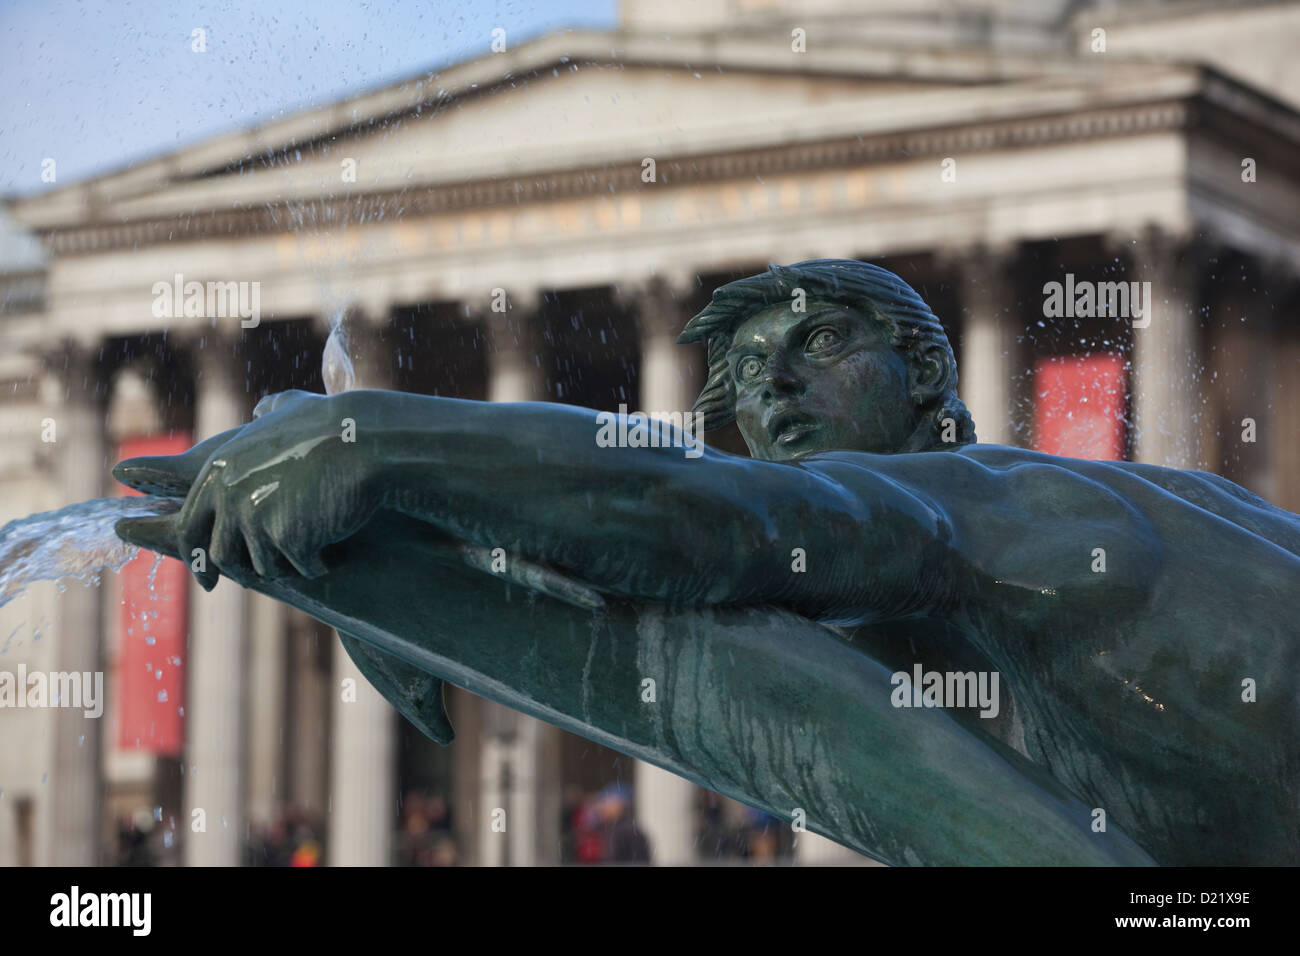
(625, 178)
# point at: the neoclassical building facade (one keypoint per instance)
(538, 224)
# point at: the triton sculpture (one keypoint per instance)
(1148, 710)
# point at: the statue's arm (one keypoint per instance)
(831, 540)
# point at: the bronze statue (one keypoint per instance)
(1148, 711)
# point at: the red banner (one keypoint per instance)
(1079, 406)
(149, 676)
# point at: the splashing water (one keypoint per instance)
(74, 542)
(79, 542)
(335, 364)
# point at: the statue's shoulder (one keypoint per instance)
(978, 474)
(964, 463)
(1171, 498)
(973, 478)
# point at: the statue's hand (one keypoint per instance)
(267, 500)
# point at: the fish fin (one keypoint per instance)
(416, 694)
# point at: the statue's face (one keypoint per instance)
(824, 379)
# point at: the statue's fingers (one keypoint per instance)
(266, 557)
(308, 563)
(226, 549)
(154, 533)
(169, 475)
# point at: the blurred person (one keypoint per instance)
(570, 803)
(444, 853)
(589, 838)
(716, 840)
(438, 813)
(624, 841)
(416, 838)
(762, 842)
(133, 848)
(307, 853)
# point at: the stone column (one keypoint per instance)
(1166, 355)
(363, 739)
(311, 660)
(518, 765)
(514, 369)
(990, 354)
(214, 715)
(267, 708)
(73, 824)
(269, 723)
(1273, 456)
(9, 850)
(665, 802)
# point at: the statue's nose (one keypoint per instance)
(780, 379)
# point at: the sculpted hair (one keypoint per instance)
(875, 292)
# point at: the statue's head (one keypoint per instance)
(828, 355)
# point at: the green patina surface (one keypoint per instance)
(1121, 689)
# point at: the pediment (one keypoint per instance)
(563, 118)
(568, 103)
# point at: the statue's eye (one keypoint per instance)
(748, 368)
(823, 340)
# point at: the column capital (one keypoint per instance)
(211, 342)
(72, 356)
(217, 362)
(355, 314)
(501, 300)
(1155, 248)
(676, 282)
(509, 331)
(80, 371)
(975, 259)
(657, 301)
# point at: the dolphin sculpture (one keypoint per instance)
(1138, 618)
(757, 703)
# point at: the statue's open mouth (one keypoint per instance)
(789, 427)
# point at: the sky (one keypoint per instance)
(97, 85)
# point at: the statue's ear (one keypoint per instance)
(930, 371)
